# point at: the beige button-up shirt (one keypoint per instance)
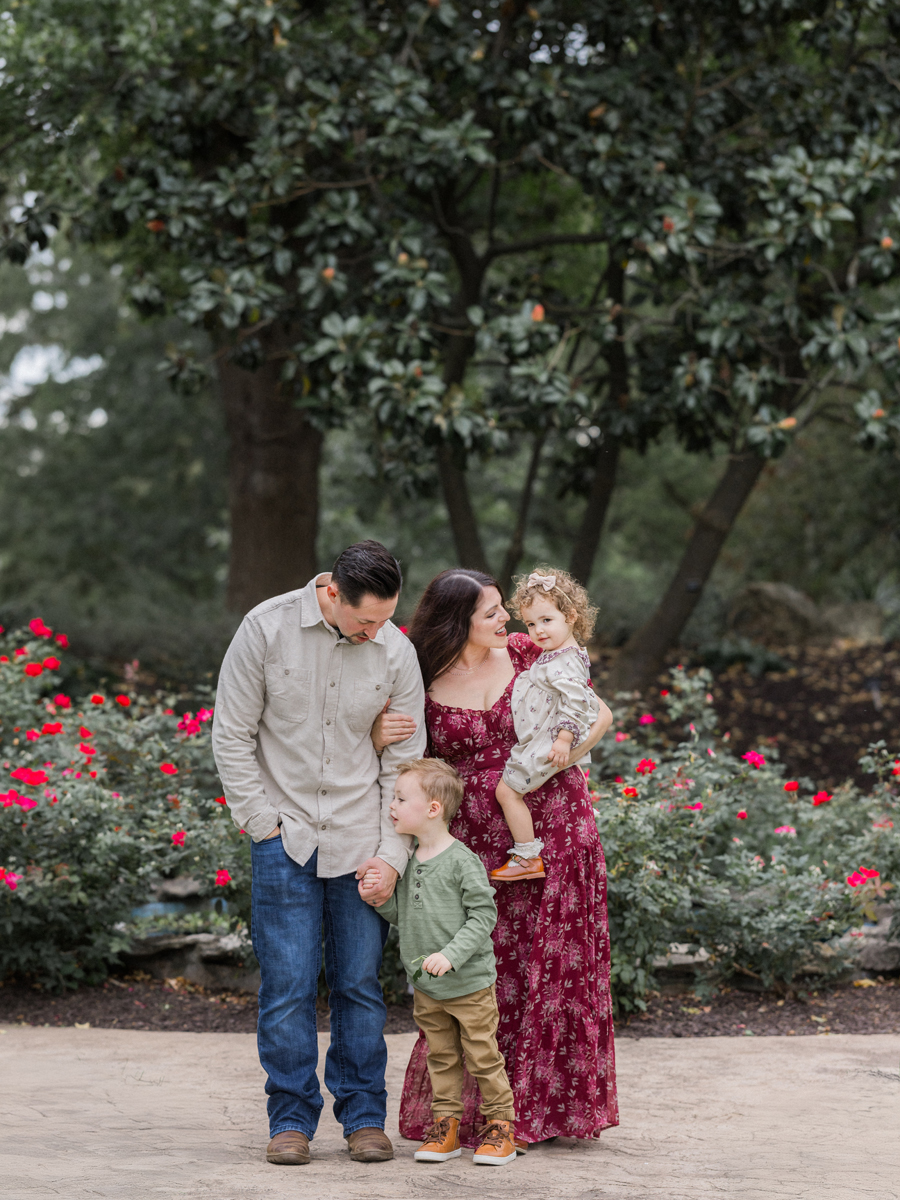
(293, 714)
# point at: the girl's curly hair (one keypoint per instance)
(566, 593)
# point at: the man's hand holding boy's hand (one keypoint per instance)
(437, 964)
(377, 881)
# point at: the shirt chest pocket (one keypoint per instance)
(369, 696)
(287, 691)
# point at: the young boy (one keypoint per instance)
(444, 908)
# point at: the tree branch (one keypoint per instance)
(551, 239)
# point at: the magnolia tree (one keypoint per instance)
(563, 227)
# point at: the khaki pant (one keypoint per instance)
(464, 1023)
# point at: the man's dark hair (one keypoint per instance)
(366, 569)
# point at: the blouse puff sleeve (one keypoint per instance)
(576, 706)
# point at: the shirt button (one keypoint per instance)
(331, 684)
(377, 687)
(328, 722)
(419, 871)
(324, 793)
(286, 671)
(327, 760)
(324, 826)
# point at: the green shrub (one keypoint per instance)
(713, 851)
(107, 797)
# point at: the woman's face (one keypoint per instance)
(487, 626)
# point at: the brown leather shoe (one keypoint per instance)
(521, 1145)
(497, 1144)
(516, 869)
(289, 1149)
(370, 1145)
(441, 1142)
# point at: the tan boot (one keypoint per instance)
(516, 869)
(497, 1145)
(370, 1145)
(289, 1149)
(441, 1142)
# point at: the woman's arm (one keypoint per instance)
(390, 728)
(596, 732)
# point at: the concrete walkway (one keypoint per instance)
(129, 1116)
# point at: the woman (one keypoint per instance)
(552, 938)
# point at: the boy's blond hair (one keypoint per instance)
(565, 592)
(439, 782)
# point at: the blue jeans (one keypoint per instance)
(290, 905)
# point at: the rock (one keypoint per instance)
(222, 963)
(181, 888)
(871, 948)
(862, 621)
(774, 614)
(678, 971)
(879, 956)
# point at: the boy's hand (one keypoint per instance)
(437, 964)
(504, 793)
(376, 891)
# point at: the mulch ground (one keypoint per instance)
(849, 1008)
(821, 712)
(135, 1002)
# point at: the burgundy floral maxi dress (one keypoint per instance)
(551, 940)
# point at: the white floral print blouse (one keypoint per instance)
(554, 693)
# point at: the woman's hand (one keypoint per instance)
(595, 733)
(390, 728)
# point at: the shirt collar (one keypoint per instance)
(311, 611)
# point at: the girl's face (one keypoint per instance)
(547, 626)
(487, 626)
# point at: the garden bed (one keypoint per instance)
(136, 1002)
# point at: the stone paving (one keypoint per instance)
(147, 1116)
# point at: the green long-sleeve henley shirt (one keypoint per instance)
(446, 905)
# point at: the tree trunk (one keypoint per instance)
(642, 655)
(602, 486)
(458, 349)
(463, 524)
(517, 541)
(274, 456)
(607, 460)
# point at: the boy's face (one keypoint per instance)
(411, 810)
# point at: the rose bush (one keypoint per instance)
(104, 797)
(108, 795)
(724, 854)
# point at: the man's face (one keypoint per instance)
(359, 624)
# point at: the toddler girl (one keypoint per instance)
(553, 706)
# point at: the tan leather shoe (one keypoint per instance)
(289, 1149)
(370, 1145)
(516, 869)
(497, 1144)
(441, 1142)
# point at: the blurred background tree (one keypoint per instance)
(482, 284)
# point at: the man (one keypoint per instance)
(301, 684)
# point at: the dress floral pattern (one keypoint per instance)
(551, 939)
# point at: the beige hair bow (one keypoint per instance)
(547, 582)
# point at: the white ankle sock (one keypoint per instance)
(528, 849)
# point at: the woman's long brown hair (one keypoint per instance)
(440, 624)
